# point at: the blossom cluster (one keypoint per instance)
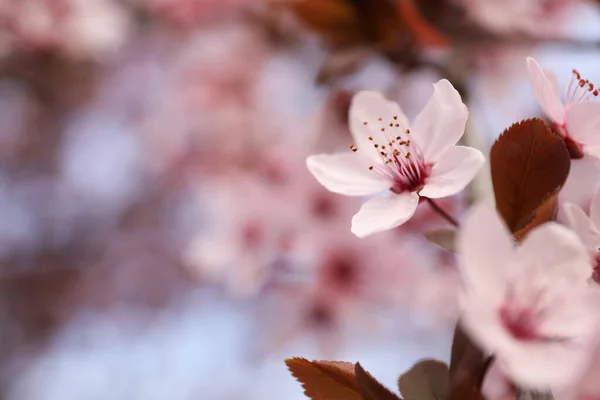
(171, 195)
(529, 300)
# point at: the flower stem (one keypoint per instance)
(441, 212)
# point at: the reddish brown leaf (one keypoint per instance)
(463, 387)
(468, 366)
(545, 212)
(426, 380)
(370, 388)
(528, 162)
(325, 380)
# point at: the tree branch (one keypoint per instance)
(532, 395)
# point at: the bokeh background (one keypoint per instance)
(160, 236)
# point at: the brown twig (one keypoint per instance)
(441, 212)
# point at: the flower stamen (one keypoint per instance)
(401, 161)
(579, 89)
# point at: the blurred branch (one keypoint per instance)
(531, 395)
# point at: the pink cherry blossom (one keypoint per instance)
(587, 228)
(577, 118)
(406, 162)
(530, 306)
(248, 235)
(541, 17)
(587, 387)
(583, 179)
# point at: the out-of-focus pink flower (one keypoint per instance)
(578, 118)
(583, 179)
(588, 229)
(531, 306)
(356, 286)
(389, 156)
(245, 238)
(587, 387)
(253, 233)
(370, 272)
(85, 29)
(508, 16)
(210, 113)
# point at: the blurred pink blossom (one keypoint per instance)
(209, 116)
(253, 229)
(588, 229)
(245, 237)
(355, 286)
(531, 306)
(83, 29)
(583, 179)
(587, 387)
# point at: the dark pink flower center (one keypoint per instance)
(320, 315)
(574, 148)
(342, 271)
(596, 270)
(520, 323)
(324, 206)
(252, 235)
(402, 161)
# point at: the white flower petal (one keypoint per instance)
(551, 76)
(369, 106)
(530, 363)
(545, 92)
(344, 173)
(582, 225)
(486, 247)
(578, 317)
(584, 177)
(594, 155)
(480, 319)
(442, 121)
(554, 250)
(384, 212)
(583, 122)
(544, 366)
(595, 210)
(452, 172)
